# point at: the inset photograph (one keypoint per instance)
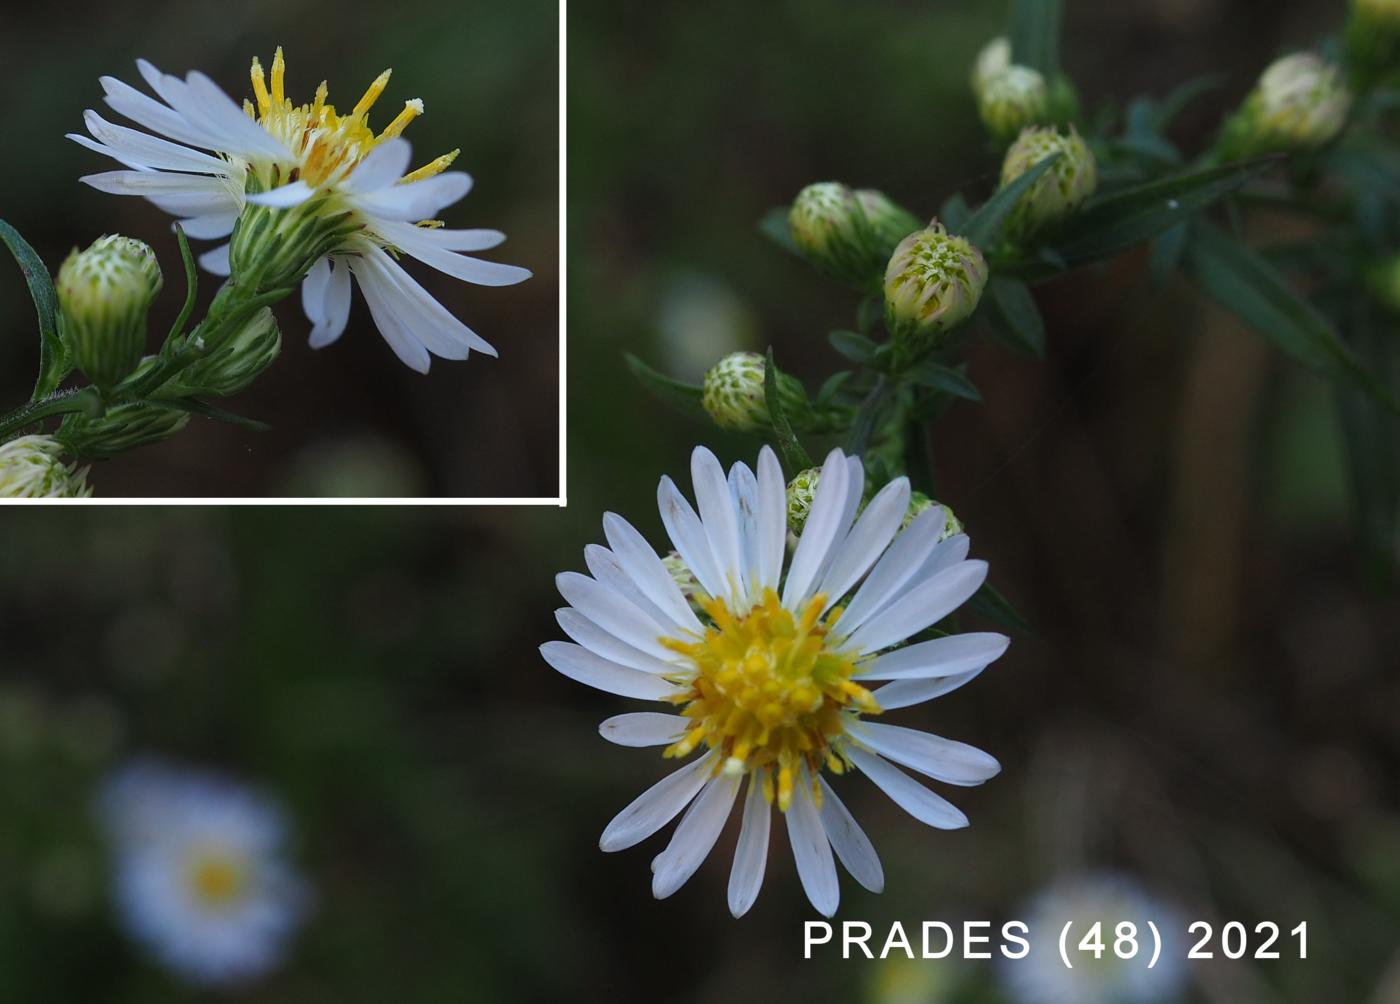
(273, 254)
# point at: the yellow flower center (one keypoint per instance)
(768, 692)
(327, 144)
(217, 878)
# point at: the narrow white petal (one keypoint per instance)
(418, 200)
(107, 151)
(645, 569)
(152, 151)
(866, 541)
(420, 317)
(216, 262)
(284, 197)
(821, 531)
(337, 307)
(908, 794)
(313, 291)
(385, 306)
(771, 537)
(644, 728)
(906, 693)
(228, 118)
(933, 756)
(461, 240)
(144, 110)
(855, 491)
(600, 642)
(950, 656)
(751, 854)
(688, 536)
(947, 554)
(382, 167)
(694, 837)
(577, 663)
(614, 613)
(716, 507)
(811, 850)
(211, 227)
(896, 567)
(849, 841)
(604, 566)
(656, 806)
(925, 605)
(743, 496)
(410, 240)
(150, 183)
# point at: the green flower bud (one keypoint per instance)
(104, 294)
(801, 492)
(1300, 103)
(121, 428)
(1011, 99)
(890, 221)
(918, 502)
(734, 394)
(685, 581)
(30, 468)
(1058, 192)
(829, 227)
(233, 364)
(932, 284)
(994, 57)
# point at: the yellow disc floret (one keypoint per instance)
(768, 692)
(217, 879)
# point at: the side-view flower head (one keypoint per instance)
(771, 680)
(306, 195)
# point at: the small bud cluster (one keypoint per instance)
(104, 294)
(30, 467)
(232, 365)
(847, 235)
(1057, 193)
(933, 282)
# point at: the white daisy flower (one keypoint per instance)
(308, 195)
(770, 680)
(1108, 899)
(201, 876)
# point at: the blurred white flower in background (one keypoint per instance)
(1110, 899)
(200, 871)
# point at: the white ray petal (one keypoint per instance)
(462, 240)
(600, 642)
(811, 850)
(950, 656)
(751, 853)
(144, 110)
(771, 539)
(717, 515)
(313, 291)
(849, 841)
(896, 567)
(855, 491)
(743, 496)
(824, 527)
(382, 167)
(614, 613)
(644, 728)
(221, 111)
(656, 806)
(694, 837)
(908, 794)
(906, 693)
(866, 541)
(422, 318)
(646, 570)
(688, 537)
(924, 605)
(210, 227)
(107, 151)
(933, 756)
(152, 151)
(411, 241)
(577, 663)
(418, 200)
(285, 197)
(604, 566)
(215, 261)
(336, 308)
(151, 183)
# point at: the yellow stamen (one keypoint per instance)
(429, 170)
(279, 74)
(260, 86)
(371, 94)
(249, 110)
(322, 92)
(411, 110)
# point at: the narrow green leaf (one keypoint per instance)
(794, 456)
(1178, 100)
(53, 363)
(985, 225)
(683, 396)
(832, 386)
(1245, 283)
(945, 379)
(202, 408)
(988, 602)
(191, 285)
(774, 226)
(853, 346)
(1129, 217)
(1035, 35)
(870, 313)
(954, 213)
(1015, 315)
(1167, 249)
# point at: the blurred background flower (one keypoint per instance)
(487, 71)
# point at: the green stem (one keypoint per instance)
(865, 419)
(86, 400)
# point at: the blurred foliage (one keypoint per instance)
(488, 75)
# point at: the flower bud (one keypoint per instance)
(734, 394)
(1059, 191)
(104, 294)
(685, 581)
(932, 284)
(801, 492)
(890, 221)
(1012, 99)
(30, 468)
(233, 364)
(994, 57)
(829, 227)
(1300, 103)
(121, 428)
(918, 502)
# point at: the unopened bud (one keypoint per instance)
(1059, 191)
(121, 428)
(734, 394)
(994, 57)
(104, 295)
(933, 283)
(830, 228)
(1300, 103)
(685, 580)
(801, 493)
(1011, 99)
(918, 502)
(233, 364)
(30, 468)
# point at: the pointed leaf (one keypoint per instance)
(952, 382)
(792, 452)
(680, 395)
(53, 364)
(988, 602)
(774, 226)
(853, 346)
(1015, 316)
(1035, 34)
(985, 225)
